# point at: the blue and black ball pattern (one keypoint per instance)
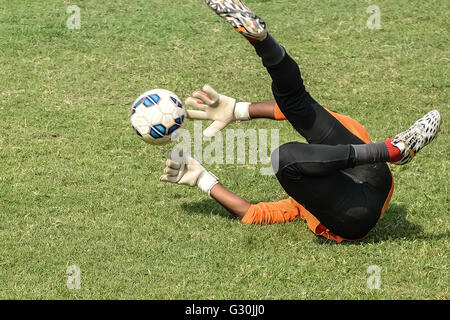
(159, 130)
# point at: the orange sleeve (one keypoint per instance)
(272, 212)
(278, 115)
(284, 211)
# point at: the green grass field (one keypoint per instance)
(77, 186)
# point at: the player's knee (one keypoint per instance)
(278, 159)
(283, 157)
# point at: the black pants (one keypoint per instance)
(321, 175)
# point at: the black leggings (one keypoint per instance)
(321, 175)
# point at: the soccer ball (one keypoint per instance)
(156, 115)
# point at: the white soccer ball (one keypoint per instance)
(156, 115)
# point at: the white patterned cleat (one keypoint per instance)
(240, 17)
(421, 133)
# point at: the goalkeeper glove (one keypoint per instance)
(221, 109)
(181, 168)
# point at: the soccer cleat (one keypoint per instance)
(240, 17)
(421, 133)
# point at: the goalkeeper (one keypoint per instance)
(339, 182)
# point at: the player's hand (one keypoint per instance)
(213, 106)
(181, 168)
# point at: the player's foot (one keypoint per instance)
(240, 17)
(421, 133)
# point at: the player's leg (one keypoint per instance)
(310, 119)
(318, 177)
(321, 160)
(305, 114)
(344, 205)
(315, 123)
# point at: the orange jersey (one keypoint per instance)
(289, 209)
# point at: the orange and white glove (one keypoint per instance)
(213, 106)
(181, 168)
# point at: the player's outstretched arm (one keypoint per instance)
(223, 110)
(230, 201)
(181, 168)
